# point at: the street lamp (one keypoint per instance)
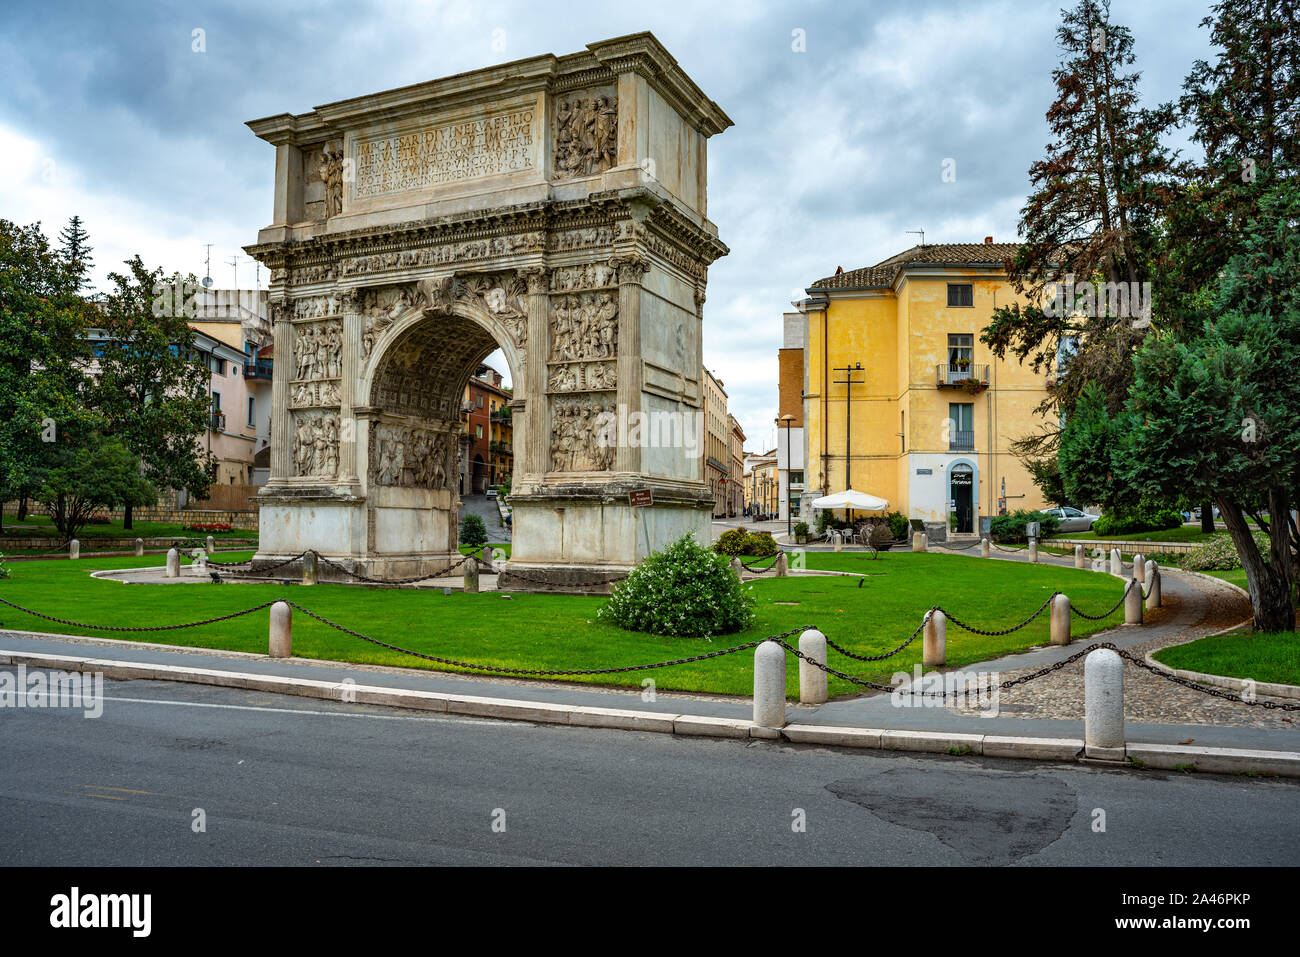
(787, 419)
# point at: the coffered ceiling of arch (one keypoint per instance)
(424, 373)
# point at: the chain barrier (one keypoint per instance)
(472, 666)
(1106, 614)
(188, 624)
(1005, 631)
(888, 654)
(391, 581)
(958, 548)
(752, 566)
(1009, 548)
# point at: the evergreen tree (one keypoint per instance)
(76, 249)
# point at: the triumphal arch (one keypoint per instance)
(552, 207)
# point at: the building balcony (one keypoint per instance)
(973, 378)
(961, 442)
(258, 369)
(217, 422)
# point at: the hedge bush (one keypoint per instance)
(1011, 528)
(737, 541)
(1218, 554)
(686, 591)
(1144, 518)
(898, 526)
(473, 531)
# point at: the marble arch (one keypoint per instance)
(553, 207)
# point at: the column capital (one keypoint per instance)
(631, 267)
(538, 279)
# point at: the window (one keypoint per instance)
(478, 431)
(216, 402)
(252, 420)
(217, 365)
(480, 401)
(961, 295)
(796, 477)
(961, 434)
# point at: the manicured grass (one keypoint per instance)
(561, 631)
(502, 547)
(1184, 533)
(1263, 657)
(40, 526)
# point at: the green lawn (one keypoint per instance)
(560, 631)
(35, 526)
(1263, 657)
(1184, 533)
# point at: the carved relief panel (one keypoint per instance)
(318, 350)
(315, 444)
(411, 457)
(582, 435)
(584, 326)
(586, 133)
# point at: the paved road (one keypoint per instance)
(284, 781)
(486, 509)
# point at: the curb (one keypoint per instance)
(1167, 757)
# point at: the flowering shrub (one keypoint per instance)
(4, 572)
(685, 591)
(1219, 554)
(207, 527)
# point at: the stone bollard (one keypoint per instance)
(310, 569)
(485, 555)
(471, 576)
(139, 546)
(1139, 568)
(281, 643)
(74, 549)
(1116, 562)
(1153, 585)
(1060, 620)
(1103, 703)
(837, 540)
(769, 685)
(782, 565)
(919, 541)
(736, 566)
(985, 548)
(210, 545)
(1133, 603)
(935, 639)
(812, 680)
(1033, 550)
(173, 563)
(1080, 557)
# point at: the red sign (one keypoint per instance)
(640, 497)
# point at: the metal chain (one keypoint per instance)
(1106, 614)
(1009, 548)
(1005, 631)
(471, 666)
(188, 624)
(391, 581)
(762, 558)
(958, 548)
(888, 654)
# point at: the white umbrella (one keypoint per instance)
(851, 499)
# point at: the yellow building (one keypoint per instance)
(902, 400)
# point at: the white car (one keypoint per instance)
(1071, 519)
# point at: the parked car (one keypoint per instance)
(1072, 519)
(491, 491)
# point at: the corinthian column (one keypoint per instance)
(631, 270)
(535, 442)
(281, 373)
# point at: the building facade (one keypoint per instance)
(901, 399)
(716, 447)
(761, 484)
(487, 454)
(790, 437)
(735, 487)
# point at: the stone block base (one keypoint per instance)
(560, 579)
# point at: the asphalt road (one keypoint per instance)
(284, 780)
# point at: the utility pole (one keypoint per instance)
(848, 382)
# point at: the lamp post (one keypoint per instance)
(787, 419)
(848, 382)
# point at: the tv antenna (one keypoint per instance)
(207, 266)
(917, 232)
(234, 262)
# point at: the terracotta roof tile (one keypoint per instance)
(882, 274)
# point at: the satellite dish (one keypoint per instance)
(207, 281)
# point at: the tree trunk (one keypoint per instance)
(1268, 577)
(22, 508)
(126, 518)
(1207, 517)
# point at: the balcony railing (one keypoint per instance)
(217, 422)
(958, 374)
(961, 442)
(258, 369)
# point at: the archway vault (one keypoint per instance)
(420, 229)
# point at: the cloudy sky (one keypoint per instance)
(109, 113)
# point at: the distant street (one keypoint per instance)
(296, 781)
(486, 509)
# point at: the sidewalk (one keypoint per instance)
(869, 721)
